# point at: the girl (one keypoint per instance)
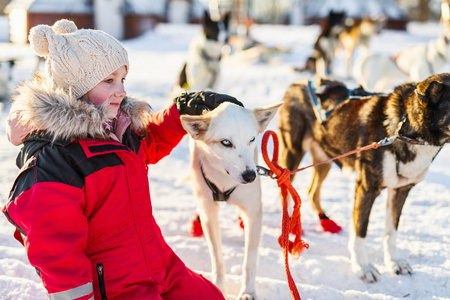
(81, 204)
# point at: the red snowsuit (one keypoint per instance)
(83, 210)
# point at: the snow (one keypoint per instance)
(324, 270)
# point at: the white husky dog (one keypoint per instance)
(380, 73)
(224, 155)
(202, 68)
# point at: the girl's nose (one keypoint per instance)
(121, 92)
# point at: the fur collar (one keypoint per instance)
(65, 118)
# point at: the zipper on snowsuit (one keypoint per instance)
(101, 281)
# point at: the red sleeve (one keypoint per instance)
(56, 231)
(164, 132)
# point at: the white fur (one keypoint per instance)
(380, 73)
(391, 259)
(224, 167)
(360, 263)
(411, 172)
(202, 73)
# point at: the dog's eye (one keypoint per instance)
(252, 140)
(226, 143)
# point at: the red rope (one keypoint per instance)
(283, 180)
(368, 147)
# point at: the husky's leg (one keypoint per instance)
(396, 199)
(209, 216)
(321, 67)
(365, 195)
(319, 174)
(251, 212)
(349, 60)
(291, 132)
(291, 152)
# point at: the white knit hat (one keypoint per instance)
(77, 60)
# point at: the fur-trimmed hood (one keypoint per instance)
(64, 117)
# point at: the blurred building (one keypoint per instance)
(24, 14)
(303, 12)
(316, 11)
(120, 18)
(129, 18)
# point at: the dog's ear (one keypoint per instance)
(430, 92)
(206, 18)
(265, 115)
(196, 126)
(226, 19)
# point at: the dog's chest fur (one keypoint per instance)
(206, 51)
(397, 173)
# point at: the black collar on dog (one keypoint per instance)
(218, 195)
(405, 138)
(208, 58)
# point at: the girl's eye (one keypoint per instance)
(252, 140)
(123, 80)
(108, 80)
(226, 143)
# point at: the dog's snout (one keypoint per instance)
(249, 176)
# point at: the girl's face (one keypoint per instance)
(109, 92)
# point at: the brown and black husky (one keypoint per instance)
(416, 116)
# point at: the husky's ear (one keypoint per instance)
(226, 19)
(196, 126)
(430, 92)
(207, 18)
(265, 115)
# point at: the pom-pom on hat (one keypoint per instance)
(77, 60)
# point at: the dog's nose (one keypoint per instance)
(249, 176)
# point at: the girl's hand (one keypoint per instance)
(200, 102)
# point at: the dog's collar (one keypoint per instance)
(218, 195)
(406, 139)
(209, 58)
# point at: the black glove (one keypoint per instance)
(200, 102)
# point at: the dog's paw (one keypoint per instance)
(368, 273)
(243, 295)
(329, 225)
(241, 223)
(196, 227)
(400, 267)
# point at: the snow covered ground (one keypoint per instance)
(323, 271)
